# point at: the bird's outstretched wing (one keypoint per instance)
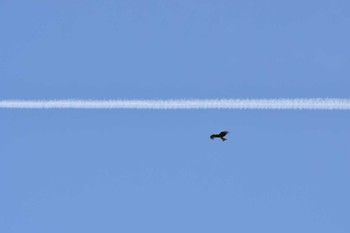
(223, 133)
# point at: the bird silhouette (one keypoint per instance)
(220, 135)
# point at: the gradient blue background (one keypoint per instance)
(158, 171)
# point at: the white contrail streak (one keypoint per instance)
(239, 104)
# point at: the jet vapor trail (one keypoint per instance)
(238, 104)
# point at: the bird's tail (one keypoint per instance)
(223, 139)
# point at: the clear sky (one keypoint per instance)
(158, 171)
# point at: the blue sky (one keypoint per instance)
(158, 171)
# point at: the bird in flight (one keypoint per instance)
(220, 135)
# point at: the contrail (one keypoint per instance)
(238, 104)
